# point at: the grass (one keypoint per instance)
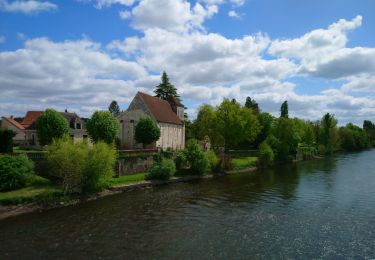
(127, 179)
(39, 190)
(244, 162)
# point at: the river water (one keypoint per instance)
(317, 209)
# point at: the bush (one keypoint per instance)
(225, 163)
(162, 170)
(212, 159)
(6, 140)
(82, 168)
(266, 155)
(146, 131)
(196, 158)
(180, 161)
(15, 172)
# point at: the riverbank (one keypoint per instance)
(54, 198)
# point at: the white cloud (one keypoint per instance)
(107, 3)
(233, 14)
(125, 14)
(27, 7)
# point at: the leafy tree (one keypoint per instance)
(15, 172)
(284, 109)
(369, 127)
(196, 158)
(102, 126)
(206, 125)
(114, 108)
(287, 138)
(266, 155)
(6, 140)
(252, 104)
(165, 89)
(353, 138)
(236, 123)
(266, 121)
(50, 125)
(329, 133)
(146, 131)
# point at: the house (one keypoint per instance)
(168, 115)
(11, 124)
(26, 130)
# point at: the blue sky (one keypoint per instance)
(318, 55)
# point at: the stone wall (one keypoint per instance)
(171, 136)
(132, 165)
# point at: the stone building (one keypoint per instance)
(26, 130)
(169, 116)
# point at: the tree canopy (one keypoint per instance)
(51, 125)
(253, 105)
(102, 126)
(284, 109)
(165, 89)
(114, 108)
(146, 131)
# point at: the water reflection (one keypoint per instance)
(316, 209)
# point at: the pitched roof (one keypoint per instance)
(160, 109)
(14, 123)
(30, 118)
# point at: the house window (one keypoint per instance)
(78, 126)
(131, 121)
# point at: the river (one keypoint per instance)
(318, 209)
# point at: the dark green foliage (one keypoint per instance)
(81, 167)
(266, 155)
(114, 108)
(146, 131)
(102, 126)
(51, 125)
(162, 170)
(353, 138)
(369, 127)
(253, 105)
(266, 121)
(329, 137)
(6, 140)
(287, 138)
(196, 158)
(165, 90)
(15, 172)
(284, 111)
(212, 159)
(180, 161)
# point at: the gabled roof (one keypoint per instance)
(160, 109)
(13, 122)
(30, 118)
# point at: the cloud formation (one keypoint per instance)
(27, 7)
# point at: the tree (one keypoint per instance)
(236, 124)
(50, 125)
(284, 109)
(146, 131)
(114, 108)
(6, 140)
(102, 126)
(165, 89)
(206, 125)
(253, 105)
(329, 133)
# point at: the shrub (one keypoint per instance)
(196, 158)
(99, 167)
(266, 155)
(162, 170)
(225, 163)
(212, 159)
(180, 161)
(51, 125)
(15, 172)
(82, 168)
(6, 140)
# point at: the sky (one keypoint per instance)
(82, 54)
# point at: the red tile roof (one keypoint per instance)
(31, 117)
(160, 109)
(14, 123)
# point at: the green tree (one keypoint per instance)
(284, 109)
(114, 108)
(287, 138)
(253, 105)
(266, 121)
(329, 133)
(165, 89)
(50, 125)
(236, 124)
(6, 140)
(102, 126)
(146, 131)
